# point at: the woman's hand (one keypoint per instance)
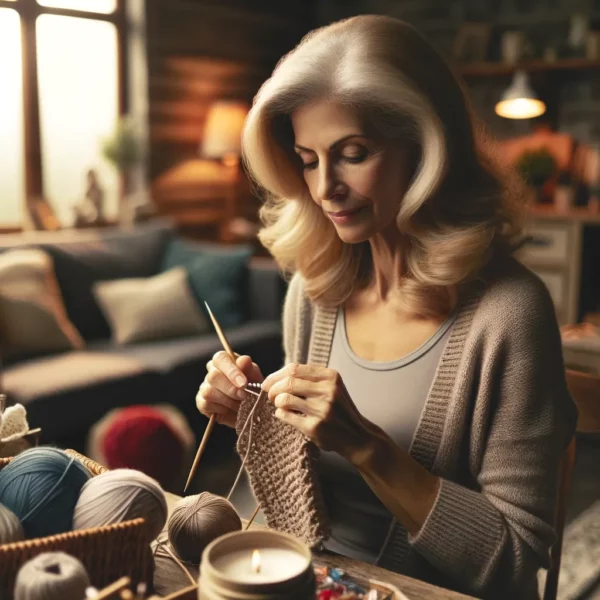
(223, 387)
(315, 401)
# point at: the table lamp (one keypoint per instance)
(519, 100)
(222, 140)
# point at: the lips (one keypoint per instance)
(343, 217)
(345, 213)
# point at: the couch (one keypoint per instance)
(65, 393)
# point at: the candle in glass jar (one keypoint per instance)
(256, 565)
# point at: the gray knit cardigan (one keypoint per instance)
(494, 427)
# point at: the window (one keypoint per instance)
(62, 88)
(12, 160)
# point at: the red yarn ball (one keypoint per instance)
(141, 438)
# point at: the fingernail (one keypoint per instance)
(240, 381)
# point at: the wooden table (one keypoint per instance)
(413, 589)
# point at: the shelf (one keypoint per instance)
(578, 214)
(496, 69)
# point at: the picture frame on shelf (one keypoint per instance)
(472, 42)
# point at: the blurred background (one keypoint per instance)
(120, 130)
(113, 111)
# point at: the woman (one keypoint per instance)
(421, 358)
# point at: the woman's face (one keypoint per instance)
(356, 180)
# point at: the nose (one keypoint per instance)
(329, 186)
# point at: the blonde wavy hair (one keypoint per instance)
(458, 212)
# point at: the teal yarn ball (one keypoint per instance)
(41, 486)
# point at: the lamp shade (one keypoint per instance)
(519, 100)
(223, 130)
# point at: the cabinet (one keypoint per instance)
(554, 252)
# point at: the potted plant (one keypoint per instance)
(536, 167)
(124, 150)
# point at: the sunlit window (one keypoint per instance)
(77, 74)
(12, 167)
(98, 6)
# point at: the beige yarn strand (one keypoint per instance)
(249, 420)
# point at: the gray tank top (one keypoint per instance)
(391, 395)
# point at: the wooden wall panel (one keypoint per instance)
(200, 51)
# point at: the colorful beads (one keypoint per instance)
(336, 584)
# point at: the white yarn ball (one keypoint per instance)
(10, 526)
(121, 495)
(52, 576)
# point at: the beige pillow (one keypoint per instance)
(152, 308)
(33, 318)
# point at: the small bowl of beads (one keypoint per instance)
(336, 584)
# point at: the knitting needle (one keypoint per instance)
(111, 590)
(252, 517)
(211, 421)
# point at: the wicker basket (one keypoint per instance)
(107, 552)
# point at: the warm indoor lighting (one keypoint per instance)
(223, 130)
(256, 561)
(99, 6)
(12, 169)
(519, 100)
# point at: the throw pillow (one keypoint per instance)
(142, 309)
(105, 256)
(33, 319)
(217, 275)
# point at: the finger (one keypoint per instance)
(209, 393)
(302, 423)
(217, 380)
(209, 408)
(309, 372)
(222, 361)
(298, 387)
(293, 403)
(251, 369)
(228, 419)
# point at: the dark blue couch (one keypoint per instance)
(66, 393)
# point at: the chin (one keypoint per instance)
(353, 235)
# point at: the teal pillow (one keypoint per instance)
(217, 275)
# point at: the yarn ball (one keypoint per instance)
(171, 573)
(41, 486)
(121, 495)
(51, 576)
(198, 520)
(10, 526)
(153, 439)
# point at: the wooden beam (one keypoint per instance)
(31, 101)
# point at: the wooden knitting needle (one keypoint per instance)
(211, 421)
(252, 517)
(113, 589)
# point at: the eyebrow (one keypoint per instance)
(335, 144)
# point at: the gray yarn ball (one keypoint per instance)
(10, 526)
(52, 576)
(121, 495)
(198, 520)
(170, 575)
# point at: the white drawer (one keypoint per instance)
(549, 244)
(557, 284)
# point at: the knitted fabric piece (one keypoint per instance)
(14, 423)
(281, 468)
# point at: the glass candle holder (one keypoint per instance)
(256, 565)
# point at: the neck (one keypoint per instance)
(387, 264)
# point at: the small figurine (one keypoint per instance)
(90, 210)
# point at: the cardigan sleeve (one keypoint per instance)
(296, 324)
(494, 536)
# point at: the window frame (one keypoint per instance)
(29, 11)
